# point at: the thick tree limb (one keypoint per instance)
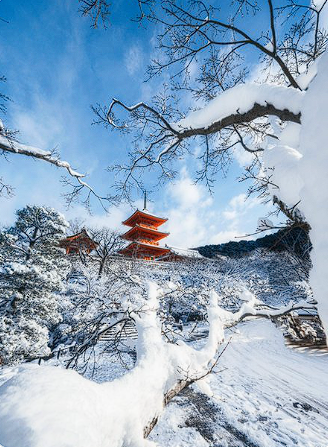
(180, 386)
(257, 111)
(225, 115)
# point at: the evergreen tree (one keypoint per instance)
(31, 274)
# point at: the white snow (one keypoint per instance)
(259, 394)
(240, 99)
(23, 147)
(47, 406)
(313, 170)
(286, 176)
(301, 174)
(318, 4)
(263, 380)
(188, 253)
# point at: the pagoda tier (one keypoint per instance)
(142, 218)
(144, 236)
(144, 251)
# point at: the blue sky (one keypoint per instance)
(57, 66)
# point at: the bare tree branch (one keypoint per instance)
(8, 145)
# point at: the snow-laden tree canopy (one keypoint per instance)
(299, 156)
(31, 273)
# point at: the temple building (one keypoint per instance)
(78, 243)
(144, 236)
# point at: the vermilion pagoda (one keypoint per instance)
(144, 236)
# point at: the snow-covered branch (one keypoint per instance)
(240, 104)
(8, 145)
(235, 116)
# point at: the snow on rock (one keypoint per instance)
(240, 99)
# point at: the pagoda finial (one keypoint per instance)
(145, 201)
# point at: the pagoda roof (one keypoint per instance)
(82, 235)
(138, 216)
(140, 247)
(154, 234)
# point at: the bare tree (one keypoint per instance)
(97, 10)
(221, 43)
(109, 242)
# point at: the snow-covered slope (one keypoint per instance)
(263, 395)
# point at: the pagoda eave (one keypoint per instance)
(141, 249)
(138, 216)
(140, 231)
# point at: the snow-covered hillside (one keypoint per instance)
(259, 391)
(261, 395)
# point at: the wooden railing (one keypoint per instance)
(146, 241)
(147, 226)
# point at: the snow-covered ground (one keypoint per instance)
(264, 394)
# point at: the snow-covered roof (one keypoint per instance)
(186, 252)
(144, 214)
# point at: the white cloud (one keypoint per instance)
(234, 218)
(188, 211)
(242, 157)
(113, 219)
(192, 69)
(186, 193)
(133, 60)
(224, 236)
(41, 132)
(193, 221)
(238, 206)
